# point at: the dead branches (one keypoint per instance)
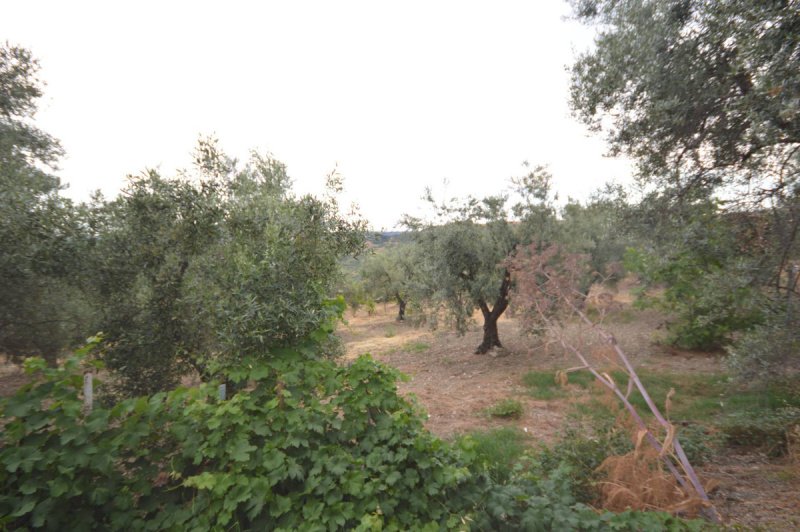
(551, 288)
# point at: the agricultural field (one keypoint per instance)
(537, 269)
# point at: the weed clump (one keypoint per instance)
(507, 408)
(771, 430)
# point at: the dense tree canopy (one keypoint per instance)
(464, 247)
(705, 96)
(40, 311)
(698, 92)
(213, 265)
(389, 275)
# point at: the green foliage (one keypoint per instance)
(543, 490)
(597, 229)
(583, 455)
(141, 265)
(462, 260)
(388, 274)
(711, 284)
(41, 309)
(705, 97)
(498, 450)
(354, 293)
(300, 446)
(543, 384)
(530, 501)
(771, 349)
(700, 443)
(699, 93)
(507, 408)
(462, 252)
(767, 429)
(312, 446)
(200, 273)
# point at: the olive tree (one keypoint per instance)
(388, 274)
(705, 97)
(218, 263)
(41, 310)
(147, 244)
(464, 248)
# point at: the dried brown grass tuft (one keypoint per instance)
(638, 481)
(793, 445)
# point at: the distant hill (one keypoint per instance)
(381, 239)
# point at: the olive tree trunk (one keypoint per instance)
(401, 308)
(491, 337)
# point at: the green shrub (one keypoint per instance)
(708, 292)
(498, 450)
(699, 443)
(303, 446)
(507, 408)
(762, 428)
(531, 501)
(764, 353)
(583, 455)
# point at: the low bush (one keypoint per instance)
(768, 429)
(699, 443)
(507, 408)
(583, 455)
(770, 350)
(304, 446)
(532, 501)
(498, 451)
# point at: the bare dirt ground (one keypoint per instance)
(11, 377)
(456, 386)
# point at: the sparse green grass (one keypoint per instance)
(415, 347)
(706, 406)
(408, 347)
(390, 333)
(507, 408)
(697, 398)
(626, 315)
(499, 449)
(542, 384)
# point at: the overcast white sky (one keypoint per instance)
(399, 94)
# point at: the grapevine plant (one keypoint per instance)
(304, 444)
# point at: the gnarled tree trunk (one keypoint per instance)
(401, 307)
(491, 338)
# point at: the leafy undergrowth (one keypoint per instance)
(306, 445)
(708, 409)
(553, 485)
(507, 408)
(711, 414)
